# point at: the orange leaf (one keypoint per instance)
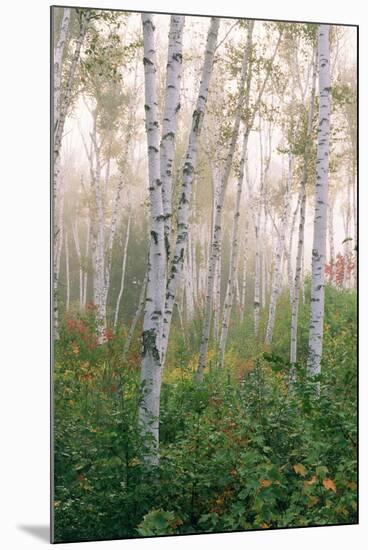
(265, 482)
(299, 469)
(329, 485)
(311, 481)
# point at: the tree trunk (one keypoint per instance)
(78, 251)
(299, 265)
(125, 255)
(331, 238)
(169, 121)
(321, 204)
(67, 271)
(216, 237)
(276, 282)
(58, 58)
(149, 407)
(176, 264)
(138, 313)
(85, 264)
(229, 296)
(244, 275)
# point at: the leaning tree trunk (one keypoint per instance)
(169, 121)
(217, 229)
(321, 204)
(149, 407)
(176, 264)
(125, 255)
(299, 266)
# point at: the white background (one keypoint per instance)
(24, 273)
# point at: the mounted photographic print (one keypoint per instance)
(204, 229)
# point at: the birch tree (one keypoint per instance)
(149, 408)
(298, 280)
(169, 120)
(189, 167)
(321, 205)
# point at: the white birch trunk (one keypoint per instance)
(299, 265)
(149, 408)
(216, 237)
(169, 121)
(125, 255)
(321, 204)
(58, 58)
(176, 264)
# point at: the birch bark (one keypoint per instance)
(125, 255)
(299, 266)
(321, 204)
(149, 408)
(176, 264)
(216, 237)
(169, 122)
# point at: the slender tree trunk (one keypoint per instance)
(61, 108)
(290, 249)
(276, 282)
(169, 121)
(299, 265)
(216, 237)
(149, 408)
(78, 251)
(321, 204)
(348, 237)
(67, 271)
(229, 297)
(86, 257)
(125, 255)
(138, 313)
(176, 264)
(331, 237)
(244, 275)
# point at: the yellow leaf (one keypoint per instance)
(134, 462)
(351, 485)
(265, 482)
(299, 469)
(264, 525)
(329, 485)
